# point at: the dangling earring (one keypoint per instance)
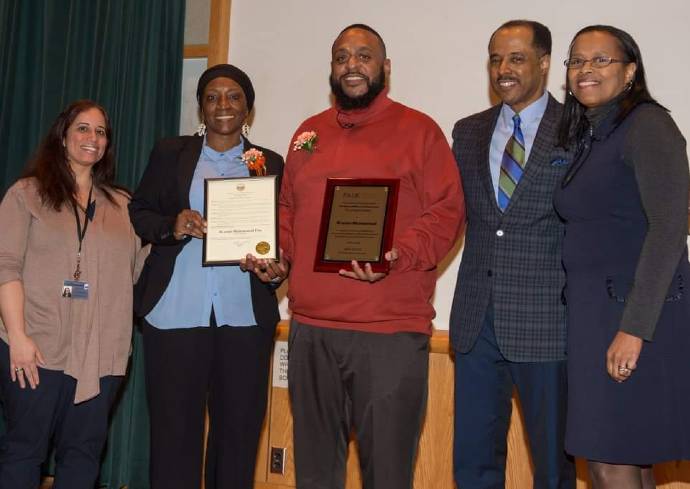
(628, 85)
(570, 92)
(245, 129)
(201, 130)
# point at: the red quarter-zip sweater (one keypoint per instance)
(384, 140)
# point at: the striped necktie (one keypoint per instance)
(512, 165)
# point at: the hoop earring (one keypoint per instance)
(245, 130)
(201, 130)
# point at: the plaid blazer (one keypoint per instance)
(511, 260)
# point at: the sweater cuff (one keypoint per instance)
(10, 275)
(404, 261)
(638, 331)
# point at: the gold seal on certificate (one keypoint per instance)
(357, 223)
(241, 219)
(263, 248)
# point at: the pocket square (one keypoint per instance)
(559, 162)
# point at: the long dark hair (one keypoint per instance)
(57, 185)
(573, 122)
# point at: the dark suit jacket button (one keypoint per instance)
(489, 273)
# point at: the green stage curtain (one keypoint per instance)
(126, 55)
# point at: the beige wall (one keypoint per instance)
(196, 21)
(438, 53)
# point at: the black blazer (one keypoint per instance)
(511, 259)
(162, 194)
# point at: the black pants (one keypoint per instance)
(34, 417)
(374, 384)
(227, 366)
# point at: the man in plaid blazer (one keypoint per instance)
(508, 320)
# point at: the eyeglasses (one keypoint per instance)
(596, 62)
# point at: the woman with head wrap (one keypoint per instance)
(208, 331)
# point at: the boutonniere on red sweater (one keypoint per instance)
(307, 140)
(255, 160)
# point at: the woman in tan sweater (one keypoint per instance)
(67, 264)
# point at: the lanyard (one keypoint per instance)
(81, 233)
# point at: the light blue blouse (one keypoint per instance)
(193, 289)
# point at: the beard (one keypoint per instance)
(344, 101)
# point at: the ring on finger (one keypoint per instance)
(18, 369)
(623, 370)
(188, 225)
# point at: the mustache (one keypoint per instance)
(506, 78)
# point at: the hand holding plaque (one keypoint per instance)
(365, 272)
(357, 223)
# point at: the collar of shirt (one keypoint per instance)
(347, 119)
(530, 116)
(214, 164)
(223, 160)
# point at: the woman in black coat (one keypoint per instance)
(208, 331)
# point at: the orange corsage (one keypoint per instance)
(255, 160)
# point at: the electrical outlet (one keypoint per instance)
(278, 460)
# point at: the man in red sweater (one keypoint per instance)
(358, 346)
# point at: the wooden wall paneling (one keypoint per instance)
(434, 466)
(217, 48)
(195, 51)
(353, 479)
(280, 435)
(261, 470)
(219, 32)
(268, 485)
(582, 476)
(672, 475)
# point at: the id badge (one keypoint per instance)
(73, 289)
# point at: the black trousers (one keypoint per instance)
(185, 368)
(373, 384)
(34, 417)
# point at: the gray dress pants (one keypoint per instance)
(372, 386)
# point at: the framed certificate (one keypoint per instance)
(241, 218)
(357, 223)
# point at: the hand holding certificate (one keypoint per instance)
(189, 223)
(241, 219)
(268, 271)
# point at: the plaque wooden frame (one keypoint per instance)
(386, 229)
